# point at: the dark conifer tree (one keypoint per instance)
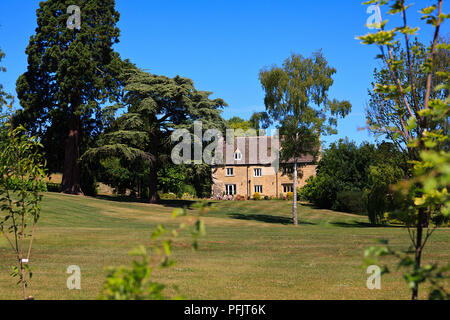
(156, 106)
(71, 73)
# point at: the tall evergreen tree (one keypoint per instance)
(71, 73)
(156, 106)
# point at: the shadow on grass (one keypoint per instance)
(126, 199)
(360, 224)
(166, 203)
(188, 204)
(265, 218)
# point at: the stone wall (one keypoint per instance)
(245, 181)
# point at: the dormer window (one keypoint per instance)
(238, 155)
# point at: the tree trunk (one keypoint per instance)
(422, 221)
(23, 275)
(153, 185)
(153, 179)
(294, 203)
(71, 181)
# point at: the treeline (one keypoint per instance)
(357, 178)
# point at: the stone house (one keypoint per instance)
(244, 172)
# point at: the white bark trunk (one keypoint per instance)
(294, 204)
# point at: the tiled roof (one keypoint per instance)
(250, 148)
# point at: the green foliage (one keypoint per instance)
(236, 123)
(21, 183)
(3, 95)
(415, 81)
(53, 187)
(383, 116)
(171, 178)
(157, 105)
(168, 196)
(189, 191)
(70, 75)
(112, 172)
(187, 196)
(296, 97)
(349, 170)
(258, 120)
(135, 283)
(200, 177)
(350, 201)
(16, 183)
(88, 181)
(380, 198)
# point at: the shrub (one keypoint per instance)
(88, 181)
(257, 196)
(345, 167)
(321, 191)
(299, 197)
(379, 200)
(188, 189)
(351, 201)
(290, 196)
(267, 198)
(168, 196)
(187, 196)
(53, 187)
(239, 198)
(15, 183)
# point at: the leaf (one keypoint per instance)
(167, 247)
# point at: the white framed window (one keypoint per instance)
(238, 155)
(230, 189)
(288, 170)
(288, 188)
(230, 172)
(257, 172)
(258, 189)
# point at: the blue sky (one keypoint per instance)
(222, 45)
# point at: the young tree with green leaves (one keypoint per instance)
(71, 73)
(3, 101)
(250, 127)
(422, 118)
(157, 105)
(296, 97)
(2, 93)
(236, 123)
(382, 110)
(22, 173)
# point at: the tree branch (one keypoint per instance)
(432, 55)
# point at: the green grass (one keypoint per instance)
(250, 252)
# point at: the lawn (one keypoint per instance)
(250, 252)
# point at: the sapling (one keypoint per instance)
(22, 173)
